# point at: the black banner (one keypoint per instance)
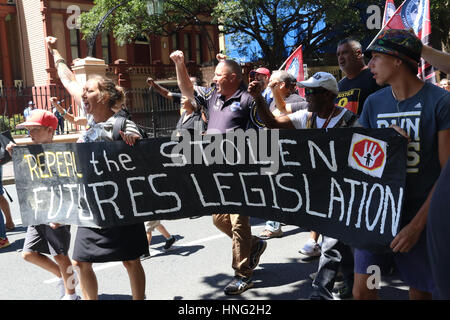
(345, 183)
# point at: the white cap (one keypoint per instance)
(321, 79)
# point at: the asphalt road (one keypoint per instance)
(198, 267)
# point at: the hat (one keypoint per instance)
(40, 117)
(321, 79)
(402, 44)
(263, 71)
(30, 103)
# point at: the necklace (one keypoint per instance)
(329, 118)
(398, 109)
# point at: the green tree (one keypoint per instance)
(133, 18)
(316, 24)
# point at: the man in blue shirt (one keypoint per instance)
(423, 111)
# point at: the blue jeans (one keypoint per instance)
(334, 254)
(273, 226)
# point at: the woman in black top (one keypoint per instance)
(190, 116)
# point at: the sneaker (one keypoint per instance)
(267, 234)
(169, 243)
(238, 285)
(4, 243)
(255, 255)
(310, 249)
(145, 256)
(61, 288)
(71, 297)
(344, 290)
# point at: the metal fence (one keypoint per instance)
(156, 114)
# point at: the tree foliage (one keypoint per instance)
(276, 25)
(132, 19)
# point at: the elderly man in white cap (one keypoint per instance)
(321, 91)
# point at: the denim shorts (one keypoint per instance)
(413, 266)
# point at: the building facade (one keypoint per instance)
(24, 24)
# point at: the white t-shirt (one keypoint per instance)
(300, 118)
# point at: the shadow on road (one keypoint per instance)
(268, 276)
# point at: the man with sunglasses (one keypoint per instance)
(53, 239)
(321, 91)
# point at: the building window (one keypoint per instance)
(75, 43)
(198, 49)
(106, 49)
(187, 47)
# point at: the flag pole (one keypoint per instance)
(292, 54)
(383, 27)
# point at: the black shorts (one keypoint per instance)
(46, 240)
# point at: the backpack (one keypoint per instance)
(119, 125)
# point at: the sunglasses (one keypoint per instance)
(311, 91)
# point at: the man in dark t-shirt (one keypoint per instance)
(438, 237)
(229, 108)
(358, 82)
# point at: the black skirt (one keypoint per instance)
(122, 243)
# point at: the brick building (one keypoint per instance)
(25, 23)
(27, 72)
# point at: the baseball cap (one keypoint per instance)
(30, 103)
(40, 117)
(401, 44)
(321, 79)
(264, 71)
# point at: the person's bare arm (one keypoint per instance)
(160, 89)
(79, 121)
(278, 98)
(184, 82)
(66, 75)
(282, 122)
(438, 59)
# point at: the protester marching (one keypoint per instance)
(360, 163)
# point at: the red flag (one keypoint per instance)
(294, 65)
(389, 10)
(415, 15)
(426, 71)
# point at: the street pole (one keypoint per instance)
(94, 35)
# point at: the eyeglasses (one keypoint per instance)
(311, 91)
